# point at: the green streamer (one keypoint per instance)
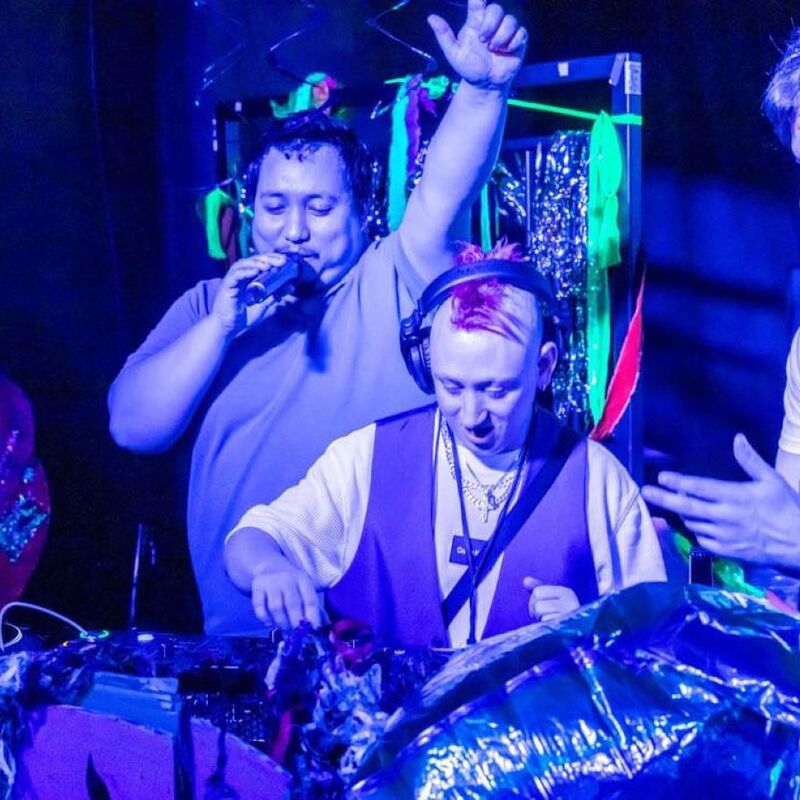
(398, 170)
(398, 160)
(486, 227)
(213, 203)
(603, 241)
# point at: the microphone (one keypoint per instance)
(278, 281)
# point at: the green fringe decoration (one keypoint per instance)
(398, 159)
(486, 225)
(398, 170)
(213, 203)
(605, 178)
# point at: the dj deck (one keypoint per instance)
(152, 715)
(657, 691)
(148, 716)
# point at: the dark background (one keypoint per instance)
(106, 146)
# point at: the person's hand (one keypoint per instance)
(285, 596)
(489, 48)
(756, 521)
(549, 602)
(229, 308)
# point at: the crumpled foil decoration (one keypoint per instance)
(557, 244)
(658, 691)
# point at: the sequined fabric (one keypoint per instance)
(20, 521)
(24, 495)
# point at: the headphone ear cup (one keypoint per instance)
(415, 349)
(425, 359)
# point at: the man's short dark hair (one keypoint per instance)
(782, 96)
(305, 132)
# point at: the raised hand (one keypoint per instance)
(549, 602)
(756, 521)
(489, 48)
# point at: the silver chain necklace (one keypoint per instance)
(485, 497)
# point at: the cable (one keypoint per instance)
(33, 607)
(17, 637)
(314, 22)
(431, 65)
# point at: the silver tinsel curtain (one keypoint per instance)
(554, 213)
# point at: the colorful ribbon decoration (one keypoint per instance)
(406, 136)
(314, 92)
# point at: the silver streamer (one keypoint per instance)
(376, 224)
(510, 193)
(557, 244)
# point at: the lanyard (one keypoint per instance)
(475, 572)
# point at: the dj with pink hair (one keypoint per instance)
(460, 520)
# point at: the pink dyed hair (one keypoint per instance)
(488, 304)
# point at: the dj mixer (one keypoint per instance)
(147, 677)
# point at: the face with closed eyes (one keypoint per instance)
(486, 381)
(304, 205)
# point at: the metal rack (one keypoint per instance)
(623, 74)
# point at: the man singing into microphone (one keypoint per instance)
(269, 386)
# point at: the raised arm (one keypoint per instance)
(486, 53)
(153, 399)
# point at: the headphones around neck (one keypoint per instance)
(415, 333)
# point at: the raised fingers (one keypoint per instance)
(310, 602)
(681, 504)
(518, 42)
(443, 32)
(726, 508)
(492, 19)
(506, 31)
(705, 488)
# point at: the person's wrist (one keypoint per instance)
(263, 568)
(272, 563)
(484, 91)
(222, 330)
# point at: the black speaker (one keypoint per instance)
(415, 333)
